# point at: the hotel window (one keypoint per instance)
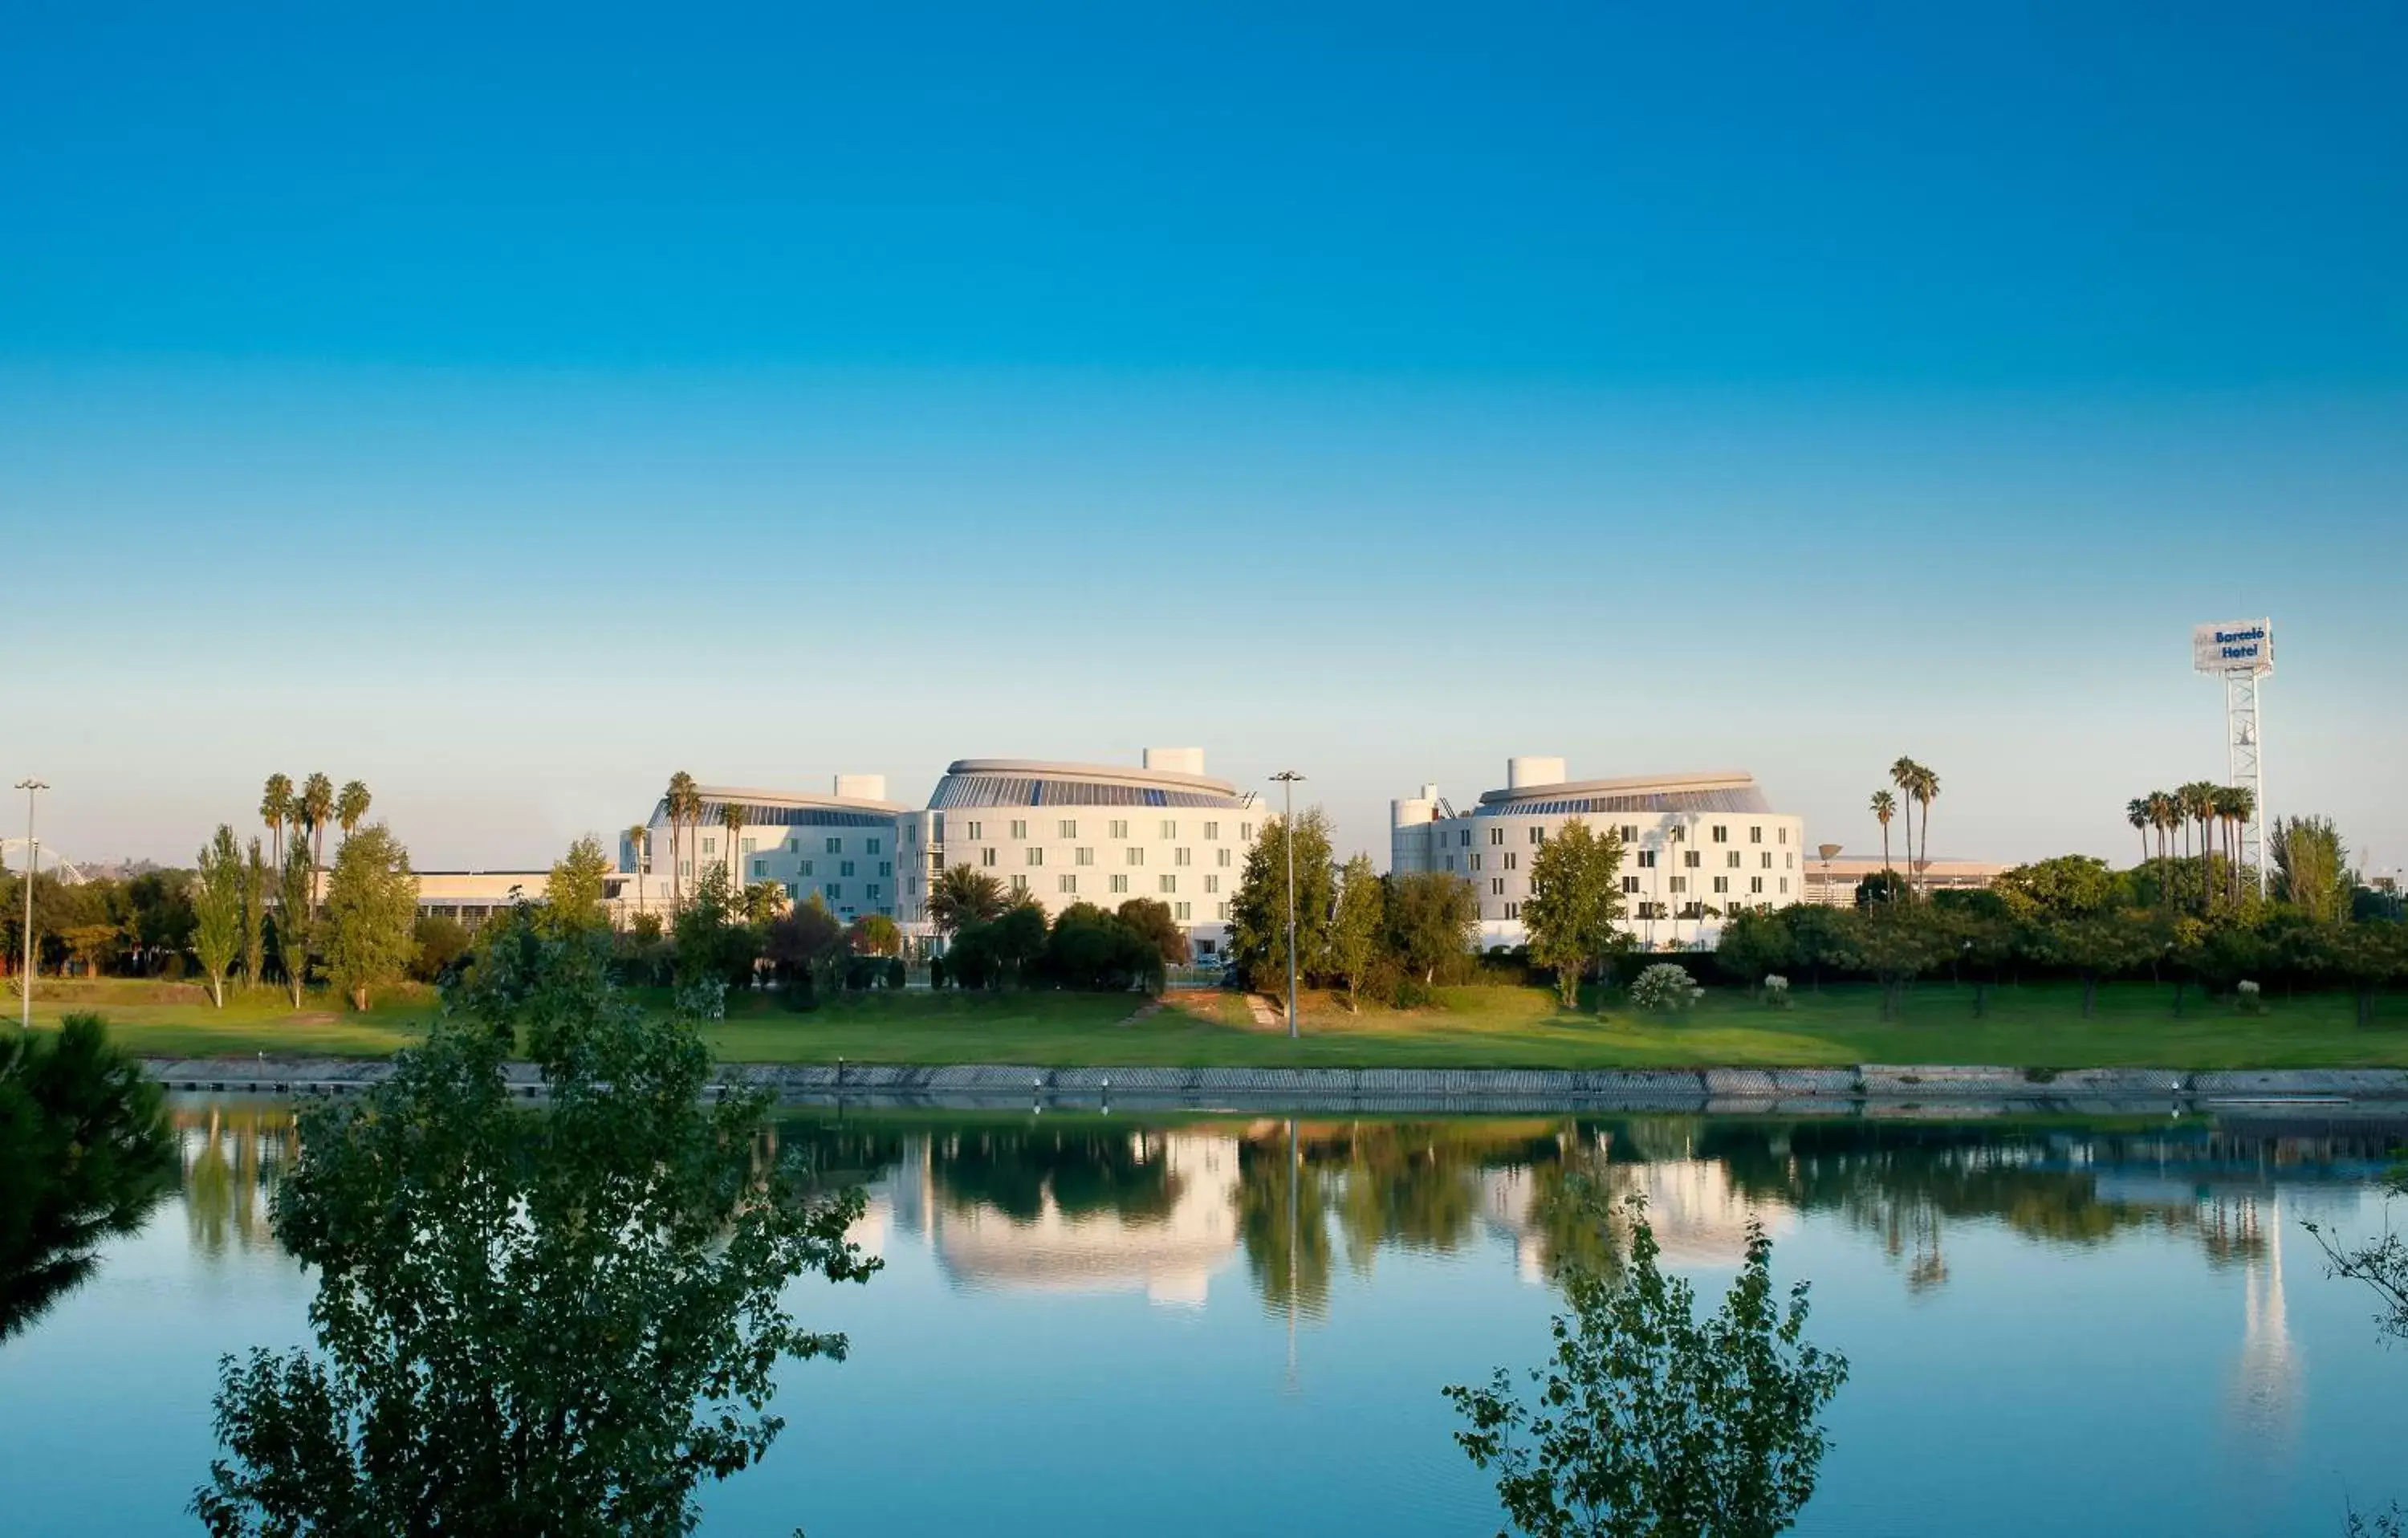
(1756, 883)
(1116, 827)
(793, 846)
(1066, 882)
(973, 834)
(1211, 831)
(1222, 912)
(1785, 885)
(1475, 862)
(1212, 885)
(1510, 858)
(1789, 862)
(1221, 858)
(1679, 884)
(1630, 884)
(807, 868)
(1036, 854)
(1732, 860)
(685, 869)
(986, 857)
(1020, 883)
(1692, 859)
(1722, 884)
(794, 892)
(835, 892)
(1246, 832)
(873, 891)
(1066, 829)
(1465, 838)
(910, 833)
(1179, 910)
(1496, 835)
(912, 886)
(1136, 853)
(1538, 835)
(836, 846)
(1722, 834)
(1120, 884)
(1019, 828)
(1169, 828)
(710, 846)
(760, 868)
(1767, 859)
(844, 867)
(1497, 886)
(1167, 884)
(1512, 910)
(1755, 833)
(748, 844)
(886, 868)
(1450, 861)
(1083, 856)
(1181, 857)
(872, 847)
(1647, 859)
(1631, 833)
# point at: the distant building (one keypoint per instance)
(1099, 833)
(1697, 847)
(1833, 881)
(472, 896)
(839, 847)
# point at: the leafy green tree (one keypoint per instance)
(217, 910)
(2091, 945)
(1894, 941)
(1575, 899)
(875, 934)
(1883, 886)
(254, 917)
(1356, 933)
(712, 938)
(371, 908)
(2067, 886)
(804, 946)
(85, 1154)
(2311, 868)
(296, 921)
(1018, 937)
(1651, 1423)
(1091, 949)
(963, 894)
(277, 808)
(1818, 935)
(437, 940)
(1258, 914)
(1433, 918)
(572, 895)
(559, 1321)
(1150, 918)
(1752, 944)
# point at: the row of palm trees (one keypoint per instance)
(306, 811)
(1920, 786)
(2207, 806)
(682, 801)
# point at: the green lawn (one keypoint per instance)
(2035, 1027)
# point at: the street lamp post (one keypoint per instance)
(1286, 779)
(33, 865)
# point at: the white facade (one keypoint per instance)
(1099, 833)
(1696, 846)
(842, 848)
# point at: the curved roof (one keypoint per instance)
(1030, 782)
(1720, 790)
(788, 809)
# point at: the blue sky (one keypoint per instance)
(510, 407)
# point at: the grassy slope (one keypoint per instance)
(2039, 1027)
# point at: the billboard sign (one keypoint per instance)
(2233, 646)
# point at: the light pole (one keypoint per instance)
(1286, 779)
(33, 867)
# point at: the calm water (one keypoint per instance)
(1220, 1326)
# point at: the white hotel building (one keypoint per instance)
(1696, 846)
(1099, 833)
(840, 847)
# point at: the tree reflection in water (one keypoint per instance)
(84, 1156)
(557, 1321)
(1084, 1170)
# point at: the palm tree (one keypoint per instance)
(731, 817)
(352, 806)
(317, 810)
(963, 894)
(636, 841)
(1923, 792)
(1884, 807)
(682, 800)
(2198, 805)
(1902, 775)
(2235, 805)
(2136, 811)
(2163, 815)
(276, 810)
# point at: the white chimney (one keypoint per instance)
(1175, 760)
(861, 787)
(1521, 773)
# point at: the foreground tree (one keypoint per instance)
(254, 917)
(2311, 868)
(371, 907)
(1258, 914)
(560, 1321)
(217, 910)
(874, 934)
(1433, 918)
(1150, 918)
(295, 920)
(1651, 1423)
(1575, 899)
(1356, 930)
(963, 894)
(572, 894)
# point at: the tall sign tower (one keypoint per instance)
(2240, 652)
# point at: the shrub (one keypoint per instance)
(1664, 987)
(1776, 991)
(703, 998)
(2249, 997)
(895, 973)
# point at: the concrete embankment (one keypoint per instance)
(1876, 1088)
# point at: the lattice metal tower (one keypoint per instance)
(2241, 652)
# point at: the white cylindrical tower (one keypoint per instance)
(1175, 760)
(1525, 771)
(861, 787)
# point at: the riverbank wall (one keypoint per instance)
(1921, 1088)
